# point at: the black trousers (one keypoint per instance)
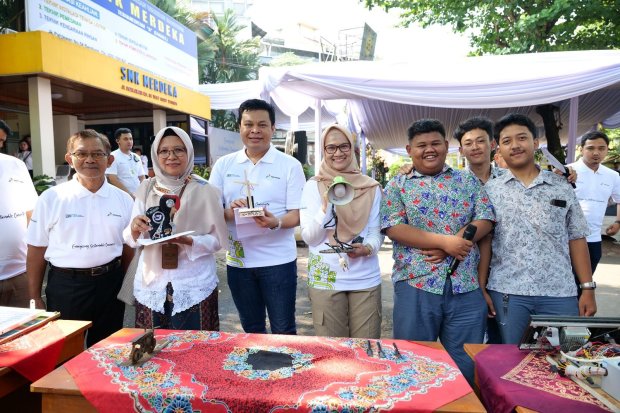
(83, 297)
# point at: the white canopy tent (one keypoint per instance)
(383, 98)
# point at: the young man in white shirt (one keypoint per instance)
(77, 228)
(126, 172)
(16, 204)
(262, 268)
(596, 184)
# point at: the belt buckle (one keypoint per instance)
(94, 272)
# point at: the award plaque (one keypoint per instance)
(162, 216)
(251, 210)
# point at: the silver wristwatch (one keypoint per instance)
(277, 227)
(588, 286)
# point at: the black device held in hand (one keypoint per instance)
(468, 234)
(357, 240)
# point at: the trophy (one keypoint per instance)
(162, 217)
(251, 210)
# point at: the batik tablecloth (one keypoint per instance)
(34, 354)
(509, 377)
(203, 371)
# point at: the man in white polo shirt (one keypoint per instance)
(596, 183)
(126, 172)
(262, 268)
(77, 228)
(16, 204)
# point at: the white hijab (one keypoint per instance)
(162, 177)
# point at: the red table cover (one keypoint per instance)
(35, 354)
(509, 377)
(203, 371)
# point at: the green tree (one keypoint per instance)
(288, 59)
(234, 60)
(12, 14)
(521, 26)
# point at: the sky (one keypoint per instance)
(330, 16)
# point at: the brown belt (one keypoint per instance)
(92, 272)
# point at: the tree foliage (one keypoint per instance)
(11, 14)
(519, 26)
(234, 60)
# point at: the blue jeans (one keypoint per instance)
(513, 311)
(455, 319)
(273, 289)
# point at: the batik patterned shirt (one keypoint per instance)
(441, 204)
(530, 242)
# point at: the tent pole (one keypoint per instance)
(318, 145)
(363, 152)
(572, 129)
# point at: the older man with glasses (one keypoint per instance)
(77, 228)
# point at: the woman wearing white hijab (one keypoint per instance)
(184, 297)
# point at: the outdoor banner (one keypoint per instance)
(133, 31)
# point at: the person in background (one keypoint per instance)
(76, 228)
(145, 161)
(425, 213)
(16, 205)
(126, 171)
(182, 296)
(25, 155)
(538, 239)
(5, 132)
(596, 184)
(261, 268)
(346, 299)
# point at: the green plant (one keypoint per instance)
(308, 171)
(42, 183)
(202, 170)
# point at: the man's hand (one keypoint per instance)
(406, 169)
(239, 203)
(613, 229)
(268, 221)
(587, 303)
(491, 313)
(572, 174)
(39, 303)
(457, 247)
(434, 255)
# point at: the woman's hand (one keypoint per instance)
(359, 250)
(140, 224)
(184, 240)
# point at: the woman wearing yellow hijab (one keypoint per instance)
(344, 286)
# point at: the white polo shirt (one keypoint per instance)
(279, 182)
(593, 192)
(80, 229)
(18, 197)
(128, 169)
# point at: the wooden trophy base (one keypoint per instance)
(251, 212)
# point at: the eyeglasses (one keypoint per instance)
(178, 152)
(344, 148)
(97, 156)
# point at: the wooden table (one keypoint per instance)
(473, 349)
(61, 394)
(13, 386)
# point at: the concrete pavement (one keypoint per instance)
(607, 277)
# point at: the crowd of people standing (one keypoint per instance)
(529, 252)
